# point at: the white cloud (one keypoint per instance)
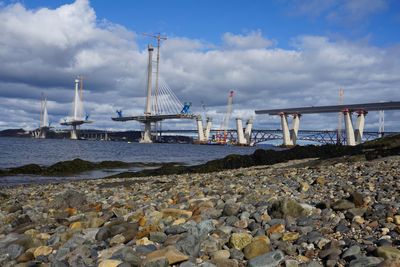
(43, 50)
(252, 40)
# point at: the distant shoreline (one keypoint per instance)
(75, 167)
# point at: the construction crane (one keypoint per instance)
(159, 38)
(80, 77)
(225, 122)
(340, 118)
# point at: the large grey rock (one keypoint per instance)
(270, 259)
(103, 234)
(161, 262)
(205, 227)
(231, 209)
(15, 250)
(189, 246)
(175, 230)
(69, 199)
(343, 204)
(351, 252)
(158, 237)
(365, 262)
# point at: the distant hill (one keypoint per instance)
(132, 136)
(14, 133)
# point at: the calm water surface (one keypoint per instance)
(20, 151)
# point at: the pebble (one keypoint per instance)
(240, 240)
(388, 253)
(271, 259)
(267, 216)
(256, 248)
(42, 251)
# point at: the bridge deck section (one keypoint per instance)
(155, 118)
(337, 108)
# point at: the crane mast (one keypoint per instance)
(159, 38)
(227, 117)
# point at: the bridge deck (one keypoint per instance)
(154, 118)
(330, 109)
(69, 123)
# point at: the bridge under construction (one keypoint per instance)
(354, 135)
(161, 102)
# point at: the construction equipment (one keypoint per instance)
(159, 38)
(222, 135)
(186, 107)
(340, 118)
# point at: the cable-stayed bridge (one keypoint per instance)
(161, 103)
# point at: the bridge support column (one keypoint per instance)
(295, 128)
(146, 135)
(247, 132)
(208, 129)
(360, 127)
(350, 138)
(200, 131)
(240, 135)
(43, 133)
(74, 134)
(285, 130)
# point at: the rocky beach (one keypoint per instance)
(342, 211)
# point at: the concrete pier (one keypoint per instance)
(74, 134)
(200, 132)
(360, 127)
(247, 132)
(146, 136)
(295, 128)
(285, 130)
(208, 129)
(348, 122)
(240, 135)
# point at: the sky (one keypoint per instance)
(273, 54)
